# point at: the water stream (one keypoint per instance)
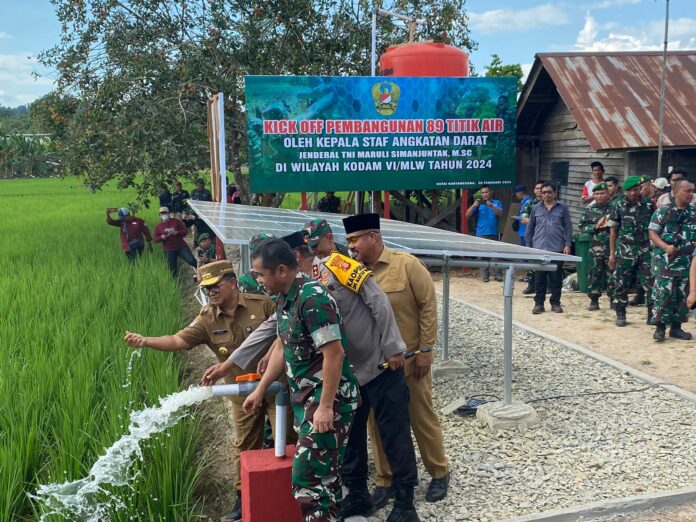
(86, 499)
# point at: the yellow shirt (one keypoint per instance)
(224, 333)
(411, 293)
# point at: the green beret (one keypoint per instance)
(645, 178)
(631, 182)
(600, 186)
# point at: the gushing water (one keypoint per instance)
(86, 499)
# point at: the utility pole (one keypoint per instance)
(662, 94)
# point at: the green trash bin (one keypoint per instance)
(582, 249)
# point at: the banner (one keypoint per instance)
(311, 134)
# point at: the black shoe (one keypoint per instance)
(620, 315)
(236, 513)
(594, 303)
(485, 279)
(639, 298)
(437, 489)
(677, 332)
(357, 504)
(538, 309)
(557, 309)
(404, 510)
(380, 496)
(659, 334)
(612, 306)
(651, 318)
(529, 290)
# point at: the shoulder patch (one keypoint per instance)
(349, 272)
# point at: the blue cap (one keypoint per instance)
(520, 188)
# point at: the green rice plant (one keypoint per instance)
(66, 298)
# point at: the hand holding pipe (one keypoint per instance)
(276, 388)
(385, 365)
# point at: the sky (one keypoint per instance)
(513, 29)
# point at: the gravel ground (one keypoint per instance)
(586, 449)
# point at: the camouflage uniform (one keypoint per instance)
(611, 278)
(675, 227)
(632, 246)
(308, 318)
(249, 283)
(599, 248)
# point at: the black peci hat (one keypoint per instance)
(295, 240)
(360, 222)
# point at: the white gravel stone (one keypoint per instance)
(585, 449)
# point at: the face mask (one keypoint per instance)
(164, 217)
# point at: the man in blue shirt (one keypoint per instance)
(487, 211)
(524, 198)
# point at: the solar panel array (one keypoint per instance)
(236, 224)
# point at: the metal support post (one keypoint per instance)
(445, 307)
(373, 54)
(508, 288)
(244, 260)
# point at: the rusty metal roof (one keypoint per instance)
(614, 97)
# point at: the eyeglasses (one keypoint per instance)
(213, 289)
(355, 239)
(547, 191)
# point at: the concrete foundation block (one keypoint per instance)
(498, 416)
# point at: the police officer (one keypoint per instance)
(629, 246)
(672, 232)
(318, 230)
(372, 337)
(595, 223)
(323, 387)
(223, 324)
(411, 292)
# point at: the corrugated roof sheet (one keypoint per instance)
(614, 97)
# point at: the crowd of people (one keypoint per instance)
(642, 235)
(351, 330)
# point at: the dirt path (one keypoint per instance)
(672, 361)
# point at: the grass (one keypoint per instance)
(66, 298)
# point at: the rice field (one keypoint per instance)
(67, 295)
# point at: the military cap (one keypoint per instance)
(661, 183)
(360, 222)
(213, 272)
(259, 238)
(295, 240)
(203, 237)
(164, 210)
(314, 229)
(600, 186)
(645, 179)
(631, 182)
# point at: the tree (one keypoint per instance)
(497, 68)
(142, 72)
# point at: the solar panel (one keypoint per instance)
(236, 224)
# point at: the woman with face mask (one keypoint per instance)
(171, 233)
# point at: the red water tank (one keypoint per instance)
(424, 59)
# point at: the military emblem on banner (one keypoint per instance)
(386, 96)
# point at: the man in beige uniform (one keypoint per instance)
(411, 292)
(223, 325)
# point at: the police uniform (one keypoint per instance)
(411, 292)
(224, 334)
(308, 319)
(372, 336)
(599, 247)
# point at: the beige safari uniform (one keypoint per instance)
(411, 292)
(223, 334)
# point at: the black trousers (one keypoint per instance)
(134, 254)
(388, 395)
(551, 281)
(183, 253)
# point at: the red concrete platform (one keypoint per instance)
(266, 487)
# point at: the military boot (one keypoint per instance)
(613, 305)
(357, 503)
(639, 298)
(677, 332)
(620, 315)
(530, 288)
(651, 318)
(404, 510)
(594, 303)
(659, 334)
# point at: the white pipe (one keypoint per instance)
(281, 427)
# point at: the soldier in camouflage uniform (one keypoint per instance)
(595, 223)
(524, 219)
(323, 387)
(615, 195)
(248, 283)
(630, 246)
(672, 232)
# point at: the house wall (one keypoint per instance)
(562, 140)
